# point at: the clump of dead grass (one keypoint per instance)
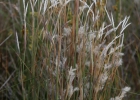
(71, 50)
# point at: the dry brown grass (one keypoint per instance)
(66, 50)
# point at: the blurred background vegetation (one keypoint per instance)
(10, 23)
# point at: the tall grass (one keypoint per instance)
(67, 50)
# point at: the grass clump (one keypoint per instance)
(67, 50)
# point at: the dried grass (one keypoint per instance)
(71, 50)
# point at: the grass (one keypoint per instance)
(62, 50)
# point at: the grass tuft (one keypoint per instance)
(65, 50)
